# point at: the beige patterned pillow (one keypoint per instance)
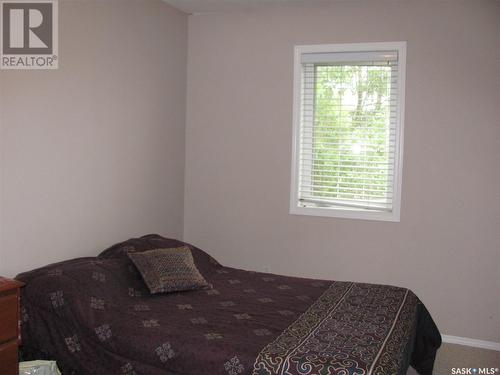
(168, 270)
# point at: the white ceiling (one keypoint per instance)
(208, 6)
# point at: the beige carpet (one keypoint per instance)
(450, 356)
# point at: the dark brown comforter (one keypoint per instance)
(95, 316)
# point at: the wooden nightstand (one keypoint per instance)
(9, 326)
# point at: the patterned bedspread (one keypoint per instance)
(95, 316)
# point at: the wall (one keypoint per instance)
(239, 138)
(93, 153)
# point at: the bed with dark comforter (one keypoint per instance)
(96, 316)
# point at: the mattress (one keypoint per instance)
(96, 316)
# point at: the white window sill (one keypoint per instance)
(346, 213)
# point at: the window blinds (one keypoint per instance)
(347, 137)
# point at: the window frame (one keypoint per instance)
(339, 212)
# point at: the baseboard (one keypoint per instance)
(491, 345)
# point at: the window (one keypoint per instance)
(348, 130)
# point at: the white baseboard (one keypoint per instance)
(491, 345)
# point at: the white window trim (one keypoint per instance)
(394, 215)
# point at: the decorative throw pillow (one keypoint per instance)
(168, 270)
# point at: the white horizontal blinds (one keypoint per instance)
(347, 139)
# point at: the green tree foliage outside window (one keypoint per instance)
(352, 133)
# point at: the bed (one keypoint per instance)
(95, 316)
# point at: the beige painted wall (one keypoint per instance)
(238, 151)
(94, 152)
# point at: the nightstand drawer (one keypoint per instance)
(8, 317)
(8, 359)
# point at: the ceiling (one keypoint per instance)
(208, 6)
